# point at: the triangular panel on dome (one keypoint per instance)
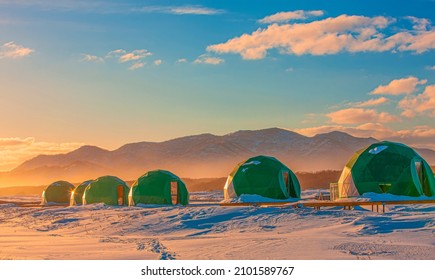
(262, 175)
(158, 187)
(387, 167)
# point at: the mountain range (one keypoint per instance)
(198, 156)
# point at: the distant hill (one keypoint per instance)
(198, 156)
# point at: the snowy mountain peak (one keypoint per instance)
(196, 156)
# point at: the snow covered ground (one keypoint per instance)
(205, 230)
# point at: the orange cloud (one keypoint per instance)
(327, 36)
(90, 58)
(418, 43)
(371, 102)
(136, 66)
(419, 23)
(376, 130)
(344, 33)
(400, 86)
(12, 50)
(14, 151)
(419, 136)
(134, 55)
(360, 115)
(419, 131)
(205, 59)
(423, 103)
(15, 141)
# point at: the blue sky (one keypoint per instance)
(111, 72)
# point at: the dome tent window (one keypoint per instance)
(385, 187)
(377, 150)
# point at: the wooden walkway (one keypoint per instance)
(347, 205)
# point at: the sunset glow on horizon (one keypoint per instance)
(107, 73)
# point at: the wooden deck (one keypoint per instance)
(347, 205)
(277, 203)
(378, 206)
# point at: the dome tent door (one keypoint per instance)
(174, 193)
(418, 167)
(120, 195)
(420, 174)
(287, 182)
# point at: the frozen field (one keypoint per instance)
(207, 231)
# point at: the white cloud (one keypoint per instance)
(344, 33)
(205, 59)
(111, 7)
(136, 65)
(12, 50)
(288, 16)
(290, 69)
(158, 62)
(180, 10)
(360, 115)
(182, 60)
(81, 6)
(15, 150)
(430, 67)
(194, 10)
(400, 86)
(91, 58)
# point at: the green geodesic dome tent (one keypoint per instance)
(77, 194)
(109, 190)
(158, 187)
(57, 192)
(386, 167)
(262, 175)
